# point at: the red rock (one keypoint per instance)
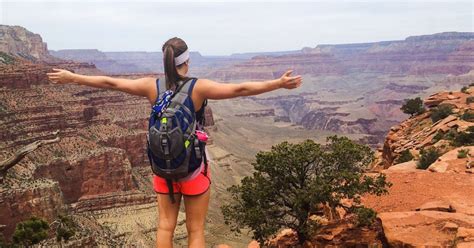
(450, 161)
(19, 41)
(406, 166)
(253, 244)
(41, 198)
(450, 227)
(437, 206)
(424, 228)
(465, 245)
(466, 234)
(396, 57)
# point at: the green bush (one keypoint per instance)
(365, 216)
(470, 99)
(65, 228)
(439, 135)
(451, 134)
(427, 157)
(468, 116)
(31, 231)
(3, 241)
(464, 89)
(291, 180)
(405, 156)
(6, 59)
(441, 112)
(413, 106)
(464, 138)
(463, 153)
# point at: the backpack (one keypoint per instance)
(173, 148)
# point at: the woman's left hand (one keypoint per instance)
(61, 76)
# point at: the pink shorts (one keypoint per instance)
(196, 186)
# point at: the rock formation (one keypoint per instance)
(18, 41)
(419, 131)
(359, 88)
(432, 207)
(447, 53)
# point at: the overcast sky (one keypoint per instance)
(222, 28)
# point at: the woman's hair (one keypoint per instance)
(171, 49)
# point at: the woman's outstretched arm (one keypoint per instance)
(139, 87)
(209, 89)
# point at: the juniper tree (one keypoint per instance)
(413, 106)
(291, 180)
(31, 231)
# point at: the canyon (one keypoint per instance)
(348, 88)
(99, 173)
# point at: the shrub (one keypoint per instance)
(405, 156)
(291, 180)
(470, 99)
(464, 138)
(31, 231)
(439, 135)
(365, 216)
(427, 157)
(464, 89)
(441, 112)
(3, 241)
(65, 228)
(413, 106)
(468, 116)
(463, 153)
(451, 134)
(6, 59)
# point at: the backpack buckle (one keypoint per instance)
(165, 146)
(197, 148)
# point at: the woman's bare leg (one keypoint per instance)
(168, 216)
(196, 211)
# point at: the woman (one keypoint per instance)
(195, 189)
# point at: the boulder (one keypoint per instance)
(425, 228)
(450, 161)
(406, 166)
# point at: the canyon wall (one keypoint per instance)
(359, 88)
(100, 161)
(443, 53)
(20, 42)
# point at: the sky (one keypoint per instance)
(224, 27)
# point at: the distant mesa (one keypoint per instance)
(442, 53)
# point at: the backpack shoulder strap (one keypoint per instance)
(184, 90)
(188, 87)
(160, 89)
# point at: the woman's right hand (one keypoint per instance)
(61, 76)
(290, 82)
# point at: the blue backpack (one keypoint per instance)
(173, 149)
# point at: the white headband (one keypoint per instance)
(181, 58)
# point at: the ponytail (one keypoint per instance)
(172, 48)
